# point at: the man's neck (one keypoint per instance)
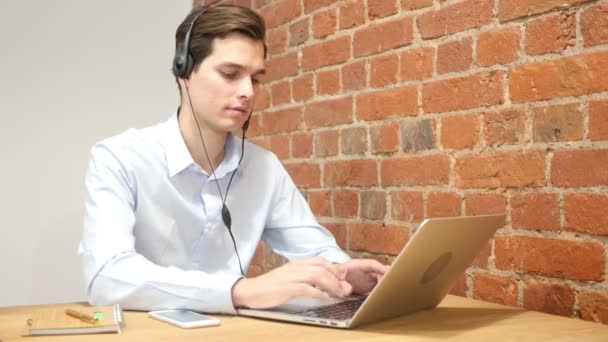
(214, 140)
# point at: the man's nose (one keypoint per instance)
(246, 88)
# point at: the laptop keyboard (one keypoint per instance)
(338, 311)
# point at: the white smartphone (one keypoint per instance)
(184, 318)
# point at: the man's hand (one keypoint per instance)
(314, 277)
(364, 274)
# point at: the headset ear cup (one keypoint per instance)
(179, 65)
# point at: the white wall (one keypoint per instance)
(72, 72)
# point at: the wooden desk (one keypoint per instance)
(457, 319)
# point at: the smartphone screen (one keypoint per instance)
(184, 315)
(184, 318)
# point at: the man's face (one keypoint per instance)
(223, 87)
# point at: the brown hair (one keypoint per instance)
(218, 21)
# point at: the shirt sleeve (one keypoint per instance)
(291, 228)
(114, 271)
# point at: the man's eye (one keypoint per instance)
(229, 75)
(255, 81)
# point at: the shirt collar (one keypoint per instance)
(179, 158)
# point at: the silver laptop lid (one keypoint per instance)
(435, 257)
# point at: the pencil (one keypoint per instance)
(81, 316)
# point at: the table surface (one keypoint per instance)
(456, 318)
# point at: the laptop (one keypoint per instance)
(423, 273)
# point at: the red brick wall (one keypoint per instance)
(386, 112)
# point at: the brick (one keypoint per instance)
(262, 142)
(305, 175)
(460, 286)
(258, 257)
(455, 56)
(382, 104)
(485, 204)
(242, 3)
(425, 170)
(360, 172)
(384, 138)
(354, 76)
(255, 270)
(261, 3)
(277, 40)
(383, 36)
(570, 76)
(351, 14)
(479, 90)
(298, 32)
(338, 230)
(593, 306)
(280, 12)
(594, 25)
(377, 238)
(302, 87)
(381, 8)
(443, 204)
(586, 213)
(557, 123)
(501, 170)
(272, 260)
(454, 18)
(551, 33)
(482, 259)
(301, 145)
(556, 299)
(598, 120)
(328, 52)
(327, 143)
(313, 5)
(328, 112)
(460, 131)
(415, 4)
(346, 203)
(417, 64)
(285, 120)
(255, 126)
(324, 23)
(539, 211)
(512, 9)
(504, 127)
(383, 70)
(407, 206)
(262, 98)
(328, 82)
(495, 289)
(418, 135)
(279, 67)
(280, 93)
(498, 47)
(373, 205)
(279, 145)
(353, 140)
(577, 168)
(320, 203)
(550, 257)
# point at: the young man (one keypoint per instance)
(158, 233)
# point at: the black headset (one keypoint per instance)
(182, 63)
(182, 68)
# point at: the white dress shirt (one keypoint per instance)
(153, 237)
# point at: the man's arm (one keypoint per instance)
(114, 271)
(318, 267)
